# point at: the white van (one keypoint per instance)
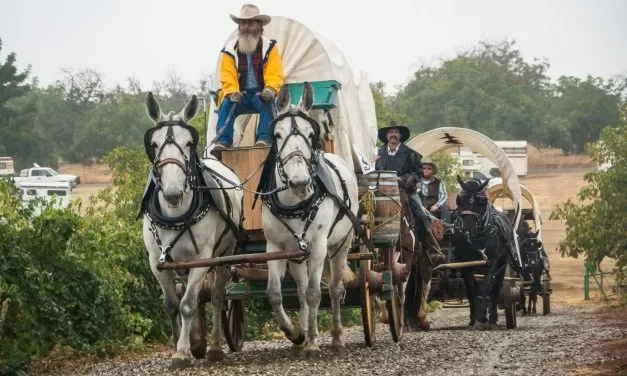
(6, 166)
(60, 190)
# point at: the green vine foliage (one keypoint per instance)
(78, 278)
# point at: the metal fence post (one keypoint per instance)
(586, 283)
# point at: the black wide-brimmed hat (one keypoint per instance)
(383, 132)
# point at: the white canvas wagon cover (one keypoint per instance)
(308, 56)
(496, 190)
(439, 139)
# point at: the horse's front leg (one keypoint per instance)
(276, 270)
(495, 293)
(469, 283)
(535, 288)
(165, 279)
(426, 270)
(485, 292)
(316, 265)
(218, 295)
(298, 271)
(336, 291)
(187, 309)
(523, 300)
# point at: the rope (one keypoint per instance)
(368, 200)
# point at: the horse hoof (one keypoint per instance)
(338, 348)
(215, 355)
(384, 319)
(199, 352)
(481, 325)
(299, 340)
(311, 353)
(180, 361)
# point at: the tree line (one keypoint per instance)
(492, 89)
(489, 88)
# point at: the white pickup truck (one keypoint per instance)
(46, 174)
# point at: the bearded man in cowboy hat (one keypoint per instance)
(394, 155)
(251, 75)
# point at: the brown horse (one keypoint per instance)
(418, 247)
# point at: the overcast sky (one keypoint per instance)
(385, 38)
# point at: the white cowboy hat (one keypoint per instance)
(251, 12)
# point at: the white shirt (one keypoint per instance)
(390, 152)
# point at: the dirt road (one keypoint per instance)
(564, 343)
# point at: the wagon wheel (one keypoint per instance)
(367, 302)
(395, 308)
(546, 298)
(233, 324)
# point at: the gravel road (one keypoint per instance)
(550, 345)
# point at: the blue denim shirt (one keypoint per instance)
(251, 80)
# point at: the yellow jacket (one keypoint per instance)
(272, 69)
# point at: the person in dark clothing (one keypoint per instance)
(433, 193)
(396, 156)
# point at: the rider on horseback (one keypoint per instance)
(251, 75)
(396, 156)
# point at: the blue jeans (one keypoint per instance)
(250, 102)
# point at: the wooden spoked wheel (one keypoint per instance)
(367, 302)
(396, 308)
(233, 324)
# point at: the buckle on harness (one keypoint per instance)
(165, 253)
(302, 244)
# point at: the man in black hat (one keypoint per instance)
(395, 156)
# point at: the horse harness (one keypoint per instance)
(486, 227)
(202, 201)
(308, 209)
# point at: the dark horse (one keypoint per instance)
(420, 250)
(481, 233)
(535, 262)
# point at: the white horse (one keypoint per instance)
(290, 220)
(182, 223)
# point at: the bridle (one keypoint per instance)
(159, 163)
(313, 145)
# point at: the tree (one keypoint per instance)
(448, 169)
(492, 92)
(12, 85)
(383, 106)
(119, 120)
(82, 87)
(596, 224)
(585, 107)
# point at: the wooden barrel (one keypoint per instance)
(387, 204)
